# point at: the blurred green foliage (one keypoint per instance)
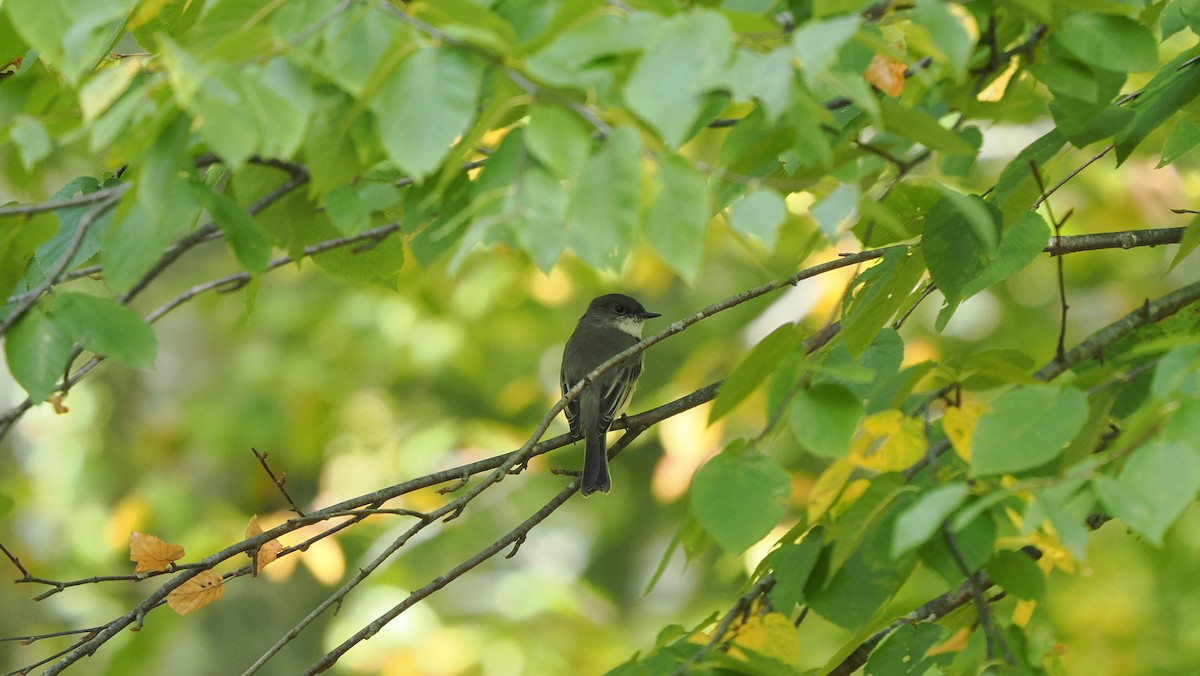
(454, 180)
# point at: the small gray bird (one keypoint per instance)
(612, 324)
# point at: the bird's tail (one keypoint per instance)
(595, 466)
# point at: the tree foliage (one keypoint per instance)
(913, 474)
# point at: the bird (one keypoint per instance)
(612, 324)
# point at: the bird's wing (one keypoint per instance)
(614, 396)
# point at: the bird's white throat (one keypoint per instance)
(631, 325)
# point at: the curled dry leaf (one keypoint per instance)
(196, 593)
(887, 75)
(268, 550)
(151, 553)
(56, 400)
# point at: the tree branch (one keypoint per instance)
(81, 229)
(1149, 313)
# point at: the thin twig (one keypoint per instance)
(991, 633)
(511, 538)
(277, 480)
(1074, 172)
(1060, 349)
(743, 604)
(101, 195)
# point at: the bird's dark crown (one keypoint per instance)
(620, 305)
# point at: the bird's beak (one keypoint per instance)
(649, 315)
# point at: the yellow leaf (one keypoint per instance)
(1023, 611)
(827, 488)
(995, 90)
(196, 593)
(956, 643)
(151, 553)
(890, 441)
(887, 75)
(771, 635)
(268, 550)
(959, 424)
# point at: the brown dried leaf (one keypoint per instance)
(887, 75)
(269, 550)
(151, 553)
(196, 593)
(56, 401)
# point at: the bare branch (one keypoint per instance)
(512, 537)
(114, 192)
(277, 480)
(1149, 313)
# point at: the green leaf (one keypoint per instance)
(1153, 489)
(1026, 428)
(346, 210)
(898, 217)
(1184, 136)
(1020, 245)
(36, 349)
(1066, 76)
(246, 239)
(1177, 374)
(686, 60)
(20, 238)
(544, 209)
(919, 127)
(792, 564)
(106, 327)
(328, 145)
(1171, 89)
(71, 37)
(1017, 574)
(954, 250)
(975, 539)
(759, 213)
(861, 586)
(31, 139)
(906, 651)
(768, 78)
(824, 418)
(923, 518)
(817, 43)
(52, 252)
(426, 104)
(739, 496)
(1191, 239)
(134, 242)
(604, 209)
(886, 287)
(1017, 174)
(280, 99)
(162, 183)
(558, 139)
(834, 209)
(225, 125)
(1110, 42)
(678, 220)
(571, 58)
(947, 34)
(1084, 123)
(754, 369)
(106, 86)
(378, 265)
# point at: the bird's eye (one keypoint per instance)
(619, 309)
